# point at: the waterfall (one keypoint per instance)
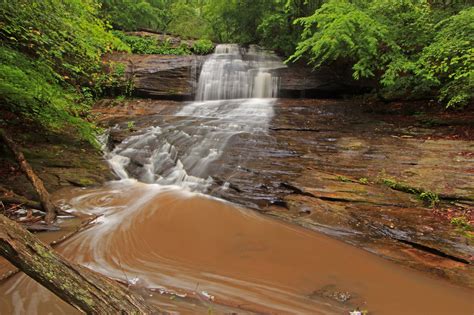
(235, 94)
(234, 72)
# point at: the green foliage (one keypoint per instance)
(30, 89)
(265, 22)
(64, 34)
(462, 223)
(149, 45)
(238, 21)
(188, 19)
(448, 62)
(131, 15)
(410, 46)
(464, 227)
(113, 81)
(396, 185)
(202, 47)
(426, 196)
(50, 50)
(343, 31)
(343, 179)
(429, 197)
(277, 30)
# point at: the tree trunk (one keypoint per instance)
(37, 183)
(82, 288)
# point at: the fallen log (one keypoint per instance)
(37, 183)
(9, 197)
(84, 289)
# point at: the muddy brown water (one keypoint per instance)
(164, 237)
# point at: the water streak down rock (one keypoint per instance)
(234, 72)
(234, 96)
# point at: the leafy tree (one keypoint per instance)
(238, 20)
(277, 30)
(202, 47)
(187, 18)
(149, 45)
(394, 41)
(131, 15)
(448, 62)
(49, 49)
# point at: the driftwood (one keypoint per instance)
(37, 183)
(84, 289)
(10, 197)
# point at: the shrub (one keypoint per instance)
(202, 47)
(148, 45)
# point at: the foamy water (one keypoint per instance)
(235, 95)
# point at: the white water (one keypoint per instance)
(233, 72)
(234, 96)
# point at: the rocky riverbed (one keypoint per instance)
(389, 178)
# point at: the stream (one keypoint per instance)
(161, 231)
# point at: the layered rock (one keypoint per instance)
(350, 170)
(176, 77)
(300, 80)
(161, 76)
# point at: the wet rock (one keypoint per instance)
(161, 76)
(333, 293)
(175, 77)
(59, 160)
(339, 154)
(299, 80)
(322, 163)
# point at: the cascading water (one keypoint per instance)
(234, 95)
(233, 72)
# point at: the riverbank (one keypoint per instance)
(60, 160)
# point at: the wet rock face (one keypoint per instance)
(322, 165)
(176, 77)
(60, 160)
(162, 76)
(299, 80)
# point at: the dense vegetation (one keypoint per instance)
(51, 50)
(412, 48)
(50, 59)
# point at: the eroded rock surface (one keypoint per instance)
(161, 76)
(299, 80)
(59, 160)
(325, 165)
(176, 77)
